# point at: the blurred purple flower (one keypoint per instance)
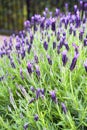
(32, 89)
(45, 45)
(26, 126)
(29, 68)
(53, 95)
(54, 45)
(49, 60)
(64, 57)
(21, 74)
(37, 71)
(64, 108)
(36, 117)
(74, 60)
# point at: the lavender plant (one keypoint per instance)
(43, 73)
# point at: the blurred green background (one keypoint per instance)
(14, 12)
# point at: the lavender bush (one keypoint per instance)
(43, 74)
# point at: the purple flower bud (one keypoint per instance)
(27, 24)
(37, 71)
(31, 100)
(74, 60)
(81, 5)
(12, 63)
(18, 46)
(31, 38)
(29, 48)
(75, 8)
(53, 95)
(70, 30)
(76, 48)
(36, 117)
(45, 45)
(74, 32)
(5, 42)
(85, 65)
(49, 60)
(81, 35)
(53, 24)
(54, 45)
(57, 12)
(64, 57)
(66, 6)
(85, 6)
(85, 42)
(29, 68)
(66, 45)
(64, 108)
(38, 93)
(32, 89)
(23, 53)
(26, 126)
(36, 59)
(42, 91)
(21, 74)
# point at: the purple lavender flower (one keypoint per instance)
(85, 6)
(36, 117)
(57, 12)
(85, 65)
(66, 6)
(21, 74)
(31, 100)
(64, 57)
(36, 59)
(49, 60)
(76, 48)
(74, 60)
(67, 46)
(38, 93)
(26, 126)
(53, 22)
(31, 38)
(12, 63)
(85, 42)
(81, 5)
(81, 35)
(54, 45)
(29, 48)
(27, 24)
(37, 71)
(64, 108)
(42, 91)
(23, 53)
(53, 95)
(75, 8)
(29, 68)
(32, 89)
(45, 45)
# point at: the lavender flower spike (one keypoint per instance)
(74, 60)
(26, 126)
(64, 57)
(36, 117)
(29, 68)
(45, 45)
(37, 71)
(53, 95)
(64, 108)
(21, 74)
(85, 65)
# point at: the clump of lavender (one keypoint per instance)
(42, 56)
